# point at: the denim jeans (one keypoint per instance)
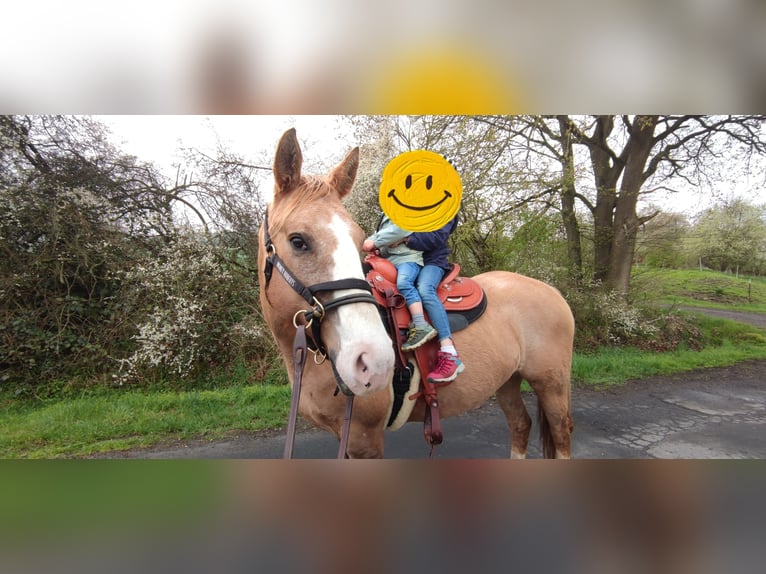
(428, 281)
(406, 274)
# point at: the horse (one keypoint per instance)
(526, 332)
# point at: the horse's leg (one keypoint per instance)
(553, 410)
(366, 434)
(365, 441)
(519, 421)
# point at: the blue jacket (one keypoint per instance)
(434, 244)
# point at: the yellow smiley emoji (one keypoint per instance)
(420, 191)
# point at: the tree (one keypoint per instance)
(379, 138)
(629, 157)
(661, 242)
(592, 170)
(497, 184)
(731, 237)
(77, 215)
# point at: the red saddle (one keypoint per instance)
(455, 292)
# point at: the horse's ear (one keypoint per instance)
(343, 176)
(287, 162)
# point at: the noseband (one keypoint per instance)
(312, 319)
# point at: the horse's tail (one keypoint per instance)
(546, 436)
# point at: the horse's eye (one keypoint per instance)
(298, 243)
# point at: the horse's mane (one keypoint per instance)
(310, 189)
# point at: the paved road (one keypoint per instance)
(710, 413)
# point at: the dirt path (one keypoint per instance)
(702, 414)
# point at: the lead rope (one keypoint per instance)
(300, 349)
(299, 360)
(342, 451)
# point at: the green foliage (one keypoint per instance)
(99, 284)
(536, 249)
(604, 319)
(731, 237)
(660, 241)
(70, 204)
(526, 243)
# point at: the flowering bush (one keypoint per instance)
(190, 309)
(97, 279)
(58, 280)
(603, 318)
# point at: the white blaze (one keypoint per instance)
(361, 331)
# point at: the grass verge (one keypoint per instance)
(134, 418)
(728, 342)
(696, 288)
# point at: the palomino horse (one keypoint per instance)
(525, 333)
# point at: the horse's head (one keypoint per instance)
(310, 240)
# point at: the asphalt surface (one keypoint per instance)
(717, 413)
(707, 414)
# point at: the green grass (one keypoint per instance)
(695, 288)
(727, 343)
(615, 366)
(129, 419)
(112, 420)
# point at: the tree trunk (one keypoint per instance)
(606, 172)
(625, 228)
(571, 227)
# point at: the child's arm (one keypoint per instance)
(388, 236)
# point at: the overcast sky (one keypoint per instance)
(158, 137)
(324, 140)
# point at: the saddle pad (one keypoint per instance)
(401, 403)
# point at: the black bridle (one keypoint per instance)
(312, 319)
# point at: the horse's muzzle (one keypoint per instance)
(365, 368)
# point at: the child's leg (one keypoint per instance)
(420, 331)
(406, 274)
(428, 281)
(448, 364)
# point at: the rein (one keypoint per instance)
(312, 319)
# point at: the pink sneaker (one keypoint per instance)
(448, 367)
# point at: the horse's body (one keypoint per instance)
(525, 333)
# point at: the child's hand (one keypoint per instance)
(368, 246)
